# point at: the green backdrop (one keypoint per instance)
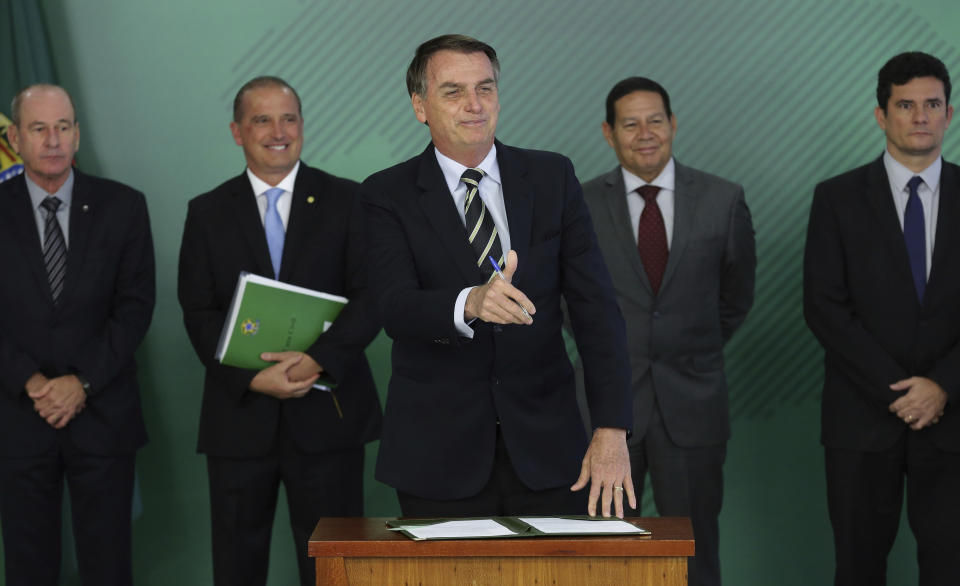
(774, 95)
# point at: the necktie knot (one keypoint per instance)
(51, 203)
(472, 177)
(273, 195)
(648, 192)
(914, 183)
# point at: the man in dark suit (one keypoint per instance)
(78, 294)
(481, 416)
(679, 245)
(881, 291)
(279, 219)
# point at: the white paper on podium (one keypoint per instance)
(457, 529)
(554, 525)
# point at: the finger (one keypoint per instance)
(583, 478)
(899, 404)
(606, 496)
(618, 501)
(517, 296)
(511, 266)
(902, 385)
(592, 499)
(628, 488)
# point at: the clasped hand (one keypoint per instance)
(921, 405)
(291, 377)
(58, 400)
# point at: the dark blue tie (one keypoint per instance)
(914, 235)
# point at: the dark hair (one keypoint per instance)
(17, 103)
(257, 83)
(630, 85)
(907, 66)
(417, 72)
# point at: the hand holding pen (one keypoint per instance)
(498, 301)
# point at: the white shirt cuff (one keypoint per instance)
(465, 330)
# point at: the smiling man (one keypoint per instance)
(285, 220)
(679, 245)
(881, 291)
(481, 416)
(78, 293)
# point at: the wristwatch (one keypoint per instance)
(85, 383)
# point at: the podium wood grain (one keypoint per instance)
(362, 552)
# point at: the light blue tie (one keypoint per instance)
(273, 226)
(915, 237)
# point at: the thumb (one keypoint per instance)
(510, 267)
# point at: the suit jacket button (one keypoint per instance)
(495, 381)
(497, 329)
(656, 313)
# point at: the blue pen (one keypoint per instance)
(496, 267)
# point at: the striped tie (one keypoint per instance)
(54, 247)
(481, 230)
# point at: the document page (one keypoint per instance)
(457, 529)
(556, 525)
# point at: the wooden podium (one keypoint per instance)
(362, 552)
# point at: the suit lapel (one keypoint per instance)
(880, 201)
(306, 209)
(947, 235)
(246, 218)
(518, 201)
(22, 223)
(83, 215)
(437, 205)
(619, 217)
(684, 207)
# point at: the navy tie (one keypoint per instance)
(915, 237)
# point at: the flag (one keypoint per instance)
(11, 164)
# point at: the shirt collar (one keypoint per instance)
(260, 186)
(453, 171)
(900, 175)
(666, 180)
(38, 194)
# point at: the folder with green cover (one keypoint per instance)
(271, 316)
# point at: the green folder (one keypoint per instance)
(271, 316)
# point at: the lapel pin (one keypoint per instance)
(311, 199)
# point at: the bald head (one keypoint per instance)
(32, 90)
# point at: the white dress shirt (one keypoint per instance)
(260, 188)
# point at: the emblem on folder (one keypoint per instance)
(249, 327)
